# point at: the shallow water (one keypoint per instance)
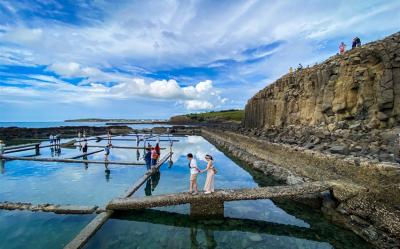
(24, 229)
(247, 224)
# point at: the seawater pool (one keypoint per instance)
(247, 224)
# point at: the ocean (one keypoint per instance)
(61, 123)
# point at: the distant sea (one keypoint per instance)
(58, 124)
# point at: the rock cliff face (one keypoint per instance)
(360, 87)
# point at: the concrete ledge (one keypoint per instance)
(58, 209)
(218, 196)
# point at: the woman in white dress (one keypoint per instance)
(209, 185)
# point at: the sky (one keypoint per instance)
(154, 59)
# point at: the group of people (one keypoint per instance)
(152, 155)
(342, 49)
(195, 170)
(82, 135)
(55, 139)
(355, 43)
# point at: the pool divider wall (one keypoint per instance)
(67, 160)
(212, 202)
(86, 154)
(58, 209)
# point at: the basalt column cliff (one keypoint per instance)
(361, 87)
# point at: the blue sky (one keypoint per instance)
(154, 59)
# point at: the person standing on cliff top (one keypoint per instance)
(342, 48)
(300, 67)
(356, 42)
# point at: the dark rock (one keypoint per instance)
(339, 149)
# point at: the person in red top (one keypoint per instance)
(342, 48)
(154, 157)
(158, 149)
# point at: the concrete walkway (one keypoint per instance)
(218, 196)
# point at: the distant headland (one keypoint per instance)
(119, 121)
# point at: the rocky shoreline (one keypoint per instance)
(364, 200)
(342, 140)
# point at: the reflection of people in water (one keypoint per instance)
(147, 189)
(210, 239)
(107, 171)
(137, 155)
(155, 178)
(2, 168)
(58, 151)
(52, 151)
(152, 183)
(211, 243)
(85, 164)
(170, 163)
(193, 238)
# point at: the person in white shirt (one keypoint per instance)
(194, 170)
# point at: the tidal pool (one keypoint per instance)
(34, 230)
(246, 224)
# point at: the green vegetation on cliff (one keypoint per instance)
(213, 116)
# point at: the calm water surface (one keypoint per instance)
(23, 229)
(247, 224)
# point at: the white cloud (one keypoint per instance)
(198, 105)
(22, 35)
(141, 38)
(192, 33)
(201, 96)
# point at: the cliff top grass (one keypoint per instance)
(224, 115)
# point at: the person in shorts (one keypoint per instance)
(106, 152)
(194, 171)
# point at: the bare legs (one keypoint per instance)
(193, 183)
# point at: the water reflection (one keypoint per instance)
(37, 230)
(107, 172)
(209, 235)
(2, 168)
(152, 183)
(176, 230)
(173, 230)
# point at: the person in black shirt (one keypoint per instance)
(85, 147)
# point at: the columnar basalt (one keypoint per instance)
(360, 86)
